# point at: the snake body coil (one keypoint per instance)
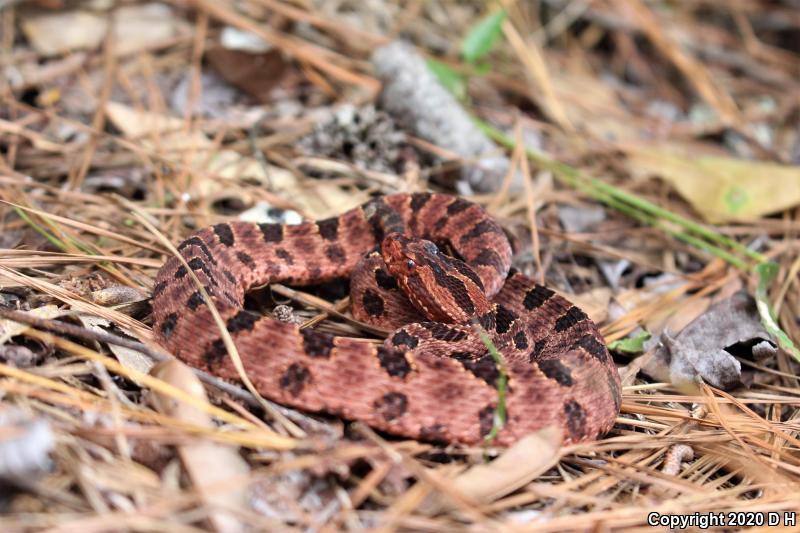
(432, 379)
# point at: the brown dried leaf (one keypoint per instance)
(220, 486)
(135, 28)
(700, 349)
(129, 358)
(9, 328)
(517, 466)
(722, 188)
(255, 74)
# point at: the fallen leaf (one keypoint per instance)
(520, 464)
(702, 348)
(220, 486)
(722, 188)
(9, 328)
(135, 28)
(255, 74)
(59, 33)
(129, 358)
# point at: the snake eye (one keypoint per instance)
(410, 264)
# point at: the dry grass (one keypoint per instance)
(72, 236)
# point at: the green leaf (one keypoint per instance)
(766, 273)
(452, 80)
(482, 36)
(632, 344)
(500, 415)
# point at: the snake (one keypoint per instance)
(473, 341)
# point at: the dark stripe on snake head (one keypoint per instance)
(295, 379)
(466, 271)
(317, 344)
(536, 297)
(271, 232)
(195, 300)
(224, 234)
(372, 303)
(394, 362)
(438, 272)
(385, 280)
(168, 325)
(197, 241)
(329, 228)
(242, 321)
(520, 340)
(404, 338)
(456, 288)
(335, 253)
(596, 348)
(570, 318)
(458, 205)
(391, 405)
(576, 419)
(486, 420)
(484, 368)
(246, 260)
(504, 318)
(556, 370)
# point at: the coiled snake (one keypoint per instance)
(433, 378)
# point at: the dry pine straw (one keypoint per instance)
(743, 459)
(115, 463)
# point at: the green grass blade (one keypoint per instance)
(482, 36)
(766, 274)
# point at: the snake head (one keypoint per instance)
(443, 288)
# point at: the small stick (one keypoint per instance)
(109, 338)
(676, 455)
